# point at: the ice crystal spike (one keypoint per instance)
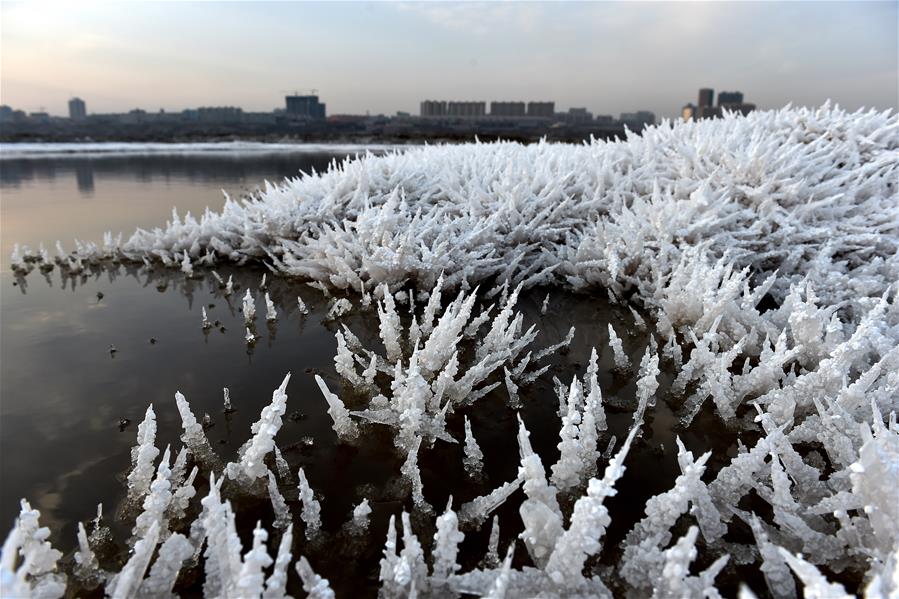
(193, 435)
(622, 362)
(446, 544)
(474, 458)
(339, 307)
(316, 586)
(343, 424)
(413, 475)
(87, 565)
(311, 507)
(142, 457)
(360, 516)
(249, 308)
(282, 512)
(127, 582)
(271, 314)
(252, 459)
(186, 267)
(276, 583)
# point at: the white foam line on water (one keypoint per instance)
(63, 150)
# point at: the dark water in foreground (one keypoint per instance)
(63, 393)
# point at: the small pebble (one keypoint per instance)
(211, 305)
(123, 423)
(152, 340)
(99, 295)
(112, 349)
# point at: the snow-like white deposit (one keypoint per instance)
(764, 246)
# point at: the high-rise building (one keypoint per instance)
(638, 120)
(727, 102)
(728, 98)
(77, 109)
(577, 116)
(507, 109)
(433, 108)
(542, 109)
(466, 109)
(305, 107)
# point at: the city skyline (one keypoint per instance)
(383, 58)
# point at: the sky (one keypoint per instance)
(609, 57)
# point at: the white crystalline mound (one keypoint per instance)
(806, 192)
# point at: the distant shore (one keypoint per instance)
(50, 134)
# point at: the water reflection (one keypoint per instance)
(194, 168)
(84, 175)
(43, 199)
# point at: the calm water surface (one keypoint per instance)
(63, 394)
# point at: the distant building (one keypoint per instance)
(577, 116)
(636, 121)
(604, 119)
(733, 101)
(542, 109)
(744, 108)
(728, 98)
(727, 101)
(347, 118)
(304, 107)
(219, 114)
(77, 109)
(433, 108)
(6, 113)
(507, 109)
(466, 109)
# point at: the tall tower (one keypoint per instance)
(77, 109)
(706, 97)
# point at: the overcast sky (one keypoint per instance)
(610, 57)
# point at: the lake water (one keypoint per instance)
(64, 394)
